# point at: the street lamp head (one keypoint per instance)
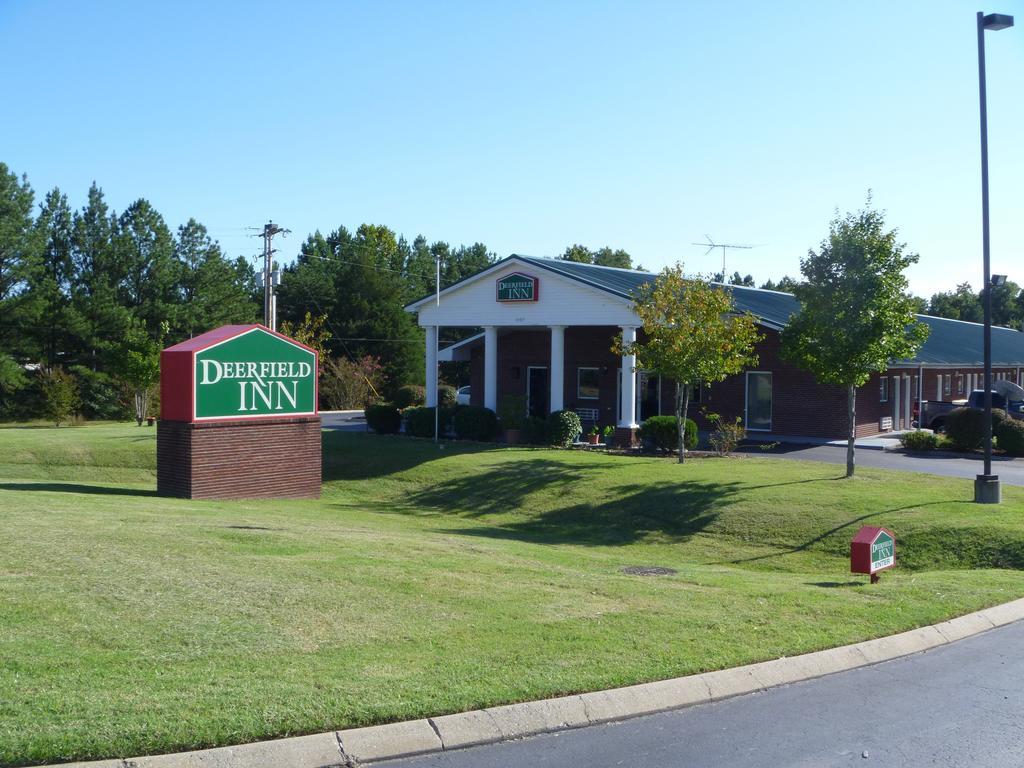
(996, 21)
(998, 280)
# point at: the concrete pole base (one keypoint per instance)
(987, 489)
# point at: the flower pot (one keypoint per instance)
(592, 439)
(513, 436)
(150, 421)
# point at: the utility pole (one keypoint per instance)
(271, 276)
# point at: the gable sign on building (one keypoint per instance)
(238, 372)
(518, 287)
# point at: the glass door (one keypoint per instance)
(759, 401)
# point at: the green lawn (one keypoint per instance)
(432, 580)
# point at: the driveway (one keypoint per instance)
(1010, 471)
(957, 705)
(347, 421)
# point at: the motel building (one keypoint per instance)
(547, 331)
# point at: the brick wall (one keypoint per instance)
(800, 406)
(269, 458)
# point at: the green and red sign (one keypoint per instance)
(518, 287)
(237, 372)
(872, 550)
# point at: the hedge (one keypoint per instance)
(410, 395)
(383, 418)
(473, 422)
(662, 433)
(563, 427)
(1010, 434)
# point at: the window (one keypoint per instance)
(883, 389)
(588, 383)
(960, 383)
(947, 385)
(697, 394)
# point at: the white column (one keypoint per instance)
(628, 388)
(557, 367)
(431, 365)
(491, 367)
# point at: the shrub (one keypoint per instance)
(419, 421)
(726, 435)
(965, 428)
(410, 395)
(998, 417)
(1010, 435)
(447, 397)
(474, 422)
(563, 427)
(346, 384)
(60, 395)
(535, 430)
(512, 411)
(662, 433)
(919, 440)
(383, 418)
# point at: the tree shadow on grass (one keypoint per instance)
(102, 490)
(628, 513)
(832, 531)
(363, 456)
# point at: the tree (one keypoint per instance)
(856, 314)
(60, 394)
(606, 257)
(786, 285)
(56, 328)
(146, 267)
(311, 332)
(691, 334)
(135, 360)
(19, 252)
(212, 291)
(578, 253)
(960, 304)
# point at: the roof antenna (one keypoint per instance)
(711, 245)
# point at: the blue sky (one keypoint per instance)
(530, 126)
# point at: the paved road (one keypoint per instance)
(1010, 471)
(347, 421)
(956, 705)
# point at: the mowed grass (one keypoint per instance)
(432, 580)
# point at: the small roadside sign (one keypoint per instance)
(872, 550)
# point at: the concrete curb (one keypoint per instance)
(355, 746)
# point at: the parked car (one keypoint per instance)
(462, 396)
(933, 415)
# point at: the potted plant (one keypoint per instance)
(594, 435)
(609, 433)
(512, 414)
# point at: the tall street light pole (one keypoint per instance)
(986, 486)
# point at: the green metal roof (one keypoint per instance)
(951, 342)
(955, 342)
(773, 308)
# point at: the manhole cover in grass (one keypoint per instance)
(648, 570)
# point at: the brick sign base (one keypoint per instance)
(264, 459)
